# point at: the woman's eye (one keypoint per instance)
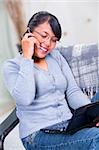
(44, 36)
(54, 40)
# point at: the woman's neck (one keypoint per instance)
(41, 63)
(37, 59)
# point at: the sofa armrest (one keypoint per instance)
(7, 126)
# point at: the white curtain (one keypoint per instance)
(7, 50)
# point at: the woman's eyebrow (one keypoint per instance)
(48, 34)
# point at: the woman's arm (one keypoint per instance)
(19, 80)
(76, 98)
(19, 77)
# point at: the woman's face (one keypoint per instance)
(47, 40)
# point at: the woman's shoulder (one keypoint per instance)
(56, 53)
(12, 62)
(16, 62)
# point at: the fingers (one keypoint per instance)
(97, 124)
(29, 44)
(32, 37)
(27, 35)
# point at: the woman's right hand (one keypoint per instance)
(28, 45)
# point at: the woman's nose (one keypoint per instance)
(48, 41)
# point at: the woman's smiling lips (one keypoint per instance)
(43, 49)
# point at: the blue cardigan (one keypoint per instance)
(40, 95)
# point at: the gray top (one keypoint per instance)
(41, 95)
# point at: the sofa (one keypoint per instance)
(83, 60)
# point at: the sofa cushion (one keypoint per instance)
(84, 62)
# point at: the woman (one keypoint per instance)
(42, 84)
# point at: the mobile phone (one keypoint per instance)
(28, 31)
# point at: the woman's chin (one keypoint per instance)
(37, 58)
(41, 54)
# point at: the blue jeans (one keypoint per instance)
(85, 139)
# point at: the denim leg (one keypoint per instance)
(95, 97)
(28, 141)
(86, 139)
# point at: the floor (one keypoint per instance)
(12, 141)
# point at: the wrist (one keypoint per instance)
(27, 57)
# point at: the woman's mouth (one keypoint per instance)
(43, 49)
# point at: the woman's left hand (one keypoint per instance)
(97, 124)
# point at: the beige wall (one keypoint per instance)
(78, 17)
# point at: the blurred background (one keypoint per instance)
(80, 24)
